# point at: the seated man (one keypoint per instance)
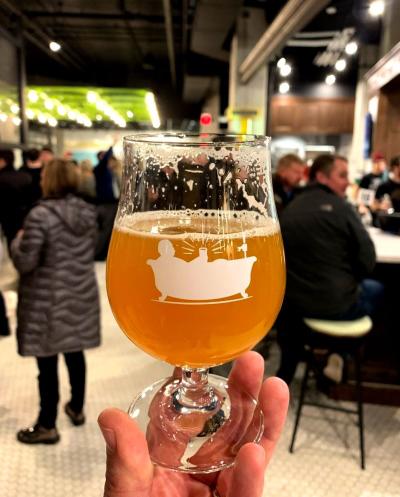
(372, 180)
(286, 180)
(391, 187)
(329, 254)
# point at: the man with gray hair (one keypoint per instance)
(329, 255)
(286, 180)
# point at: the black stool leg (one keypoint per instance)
(301, 401)
(360, 406)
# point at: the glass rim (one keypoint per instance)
(196, 139)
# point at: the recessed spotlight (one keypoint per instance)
(54, 46)
(281, 62)
(330, 79)
(340, 65)
(331, 11)
(376, 8)
(351, 48)
(285, 70)
(284, 87)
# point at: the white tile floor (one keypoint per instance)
(325, 462)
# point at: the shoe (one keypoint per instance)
(38, 435)
(77, 418)
(334, 368)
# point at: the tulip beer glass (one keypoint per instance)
(195, 277)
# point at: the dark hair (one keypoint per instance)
(32, 154)
(8, 156)
(395, 161)
(323, 163)
(47, 149)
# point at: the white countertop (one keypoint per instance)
(387, 246)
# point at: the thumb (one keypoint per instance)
(129, 470)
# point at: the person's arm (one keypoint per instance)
(26, 248)
(363, 249)
(103, 162)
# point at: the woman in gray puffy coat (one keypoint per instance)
(58, 303)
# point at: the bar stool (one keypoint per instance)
(326, 333)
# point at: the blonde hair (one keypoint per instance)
(59, 177)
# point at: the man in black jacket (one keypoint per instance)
(329, 254)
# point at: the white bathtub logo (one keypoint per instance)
(199, 281)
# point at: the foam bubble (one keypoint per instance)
(198, 224)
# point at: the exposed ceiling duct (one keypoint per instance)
(212, 22)
(291, 19)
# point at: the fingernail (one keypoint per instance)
(109, 437)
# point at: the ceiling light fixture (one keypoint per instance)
(376, 8)
(54, 46)
(351, 48)
(340, 65)
(92, 97)
(330, 79)
(129, 114)
(33, 96)
(285, 70)
(16, 120)
(332, 10)
(152, 109)
(14, 108)
(52, 121)
(3, 117)
(30, 114)
(284, 87)
(281, 62)
(98, 117)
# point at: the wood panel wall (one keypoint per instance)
(386, 137)
(301, 115)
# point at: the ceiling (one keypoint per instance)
(175, 48)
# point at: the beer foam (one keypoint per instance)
(198, 224)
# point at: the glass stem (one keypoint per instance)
(194, 392)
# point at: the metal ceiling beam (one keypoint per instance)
(39, 37)
(170, 39)
(292, 18)
(112, 16)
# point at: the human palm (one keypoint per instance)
(130, 472)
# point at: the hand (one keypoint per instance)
(130, 472)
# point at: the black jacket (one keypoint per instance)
(14, 200)
(328, 252)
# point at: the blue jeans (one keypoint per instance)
(369, 300)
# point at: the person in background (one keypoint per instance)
(390, 189)
(107, 195)
(87, 183)
(130, 472)
(33, 167)
(329, 255)
(286, 180)
(14, 195)
(46, 155)
(58, 303)
(372, 180)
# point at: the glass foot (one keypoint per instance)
(196, 441)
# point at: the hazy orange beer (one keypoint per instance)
(196, 333)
